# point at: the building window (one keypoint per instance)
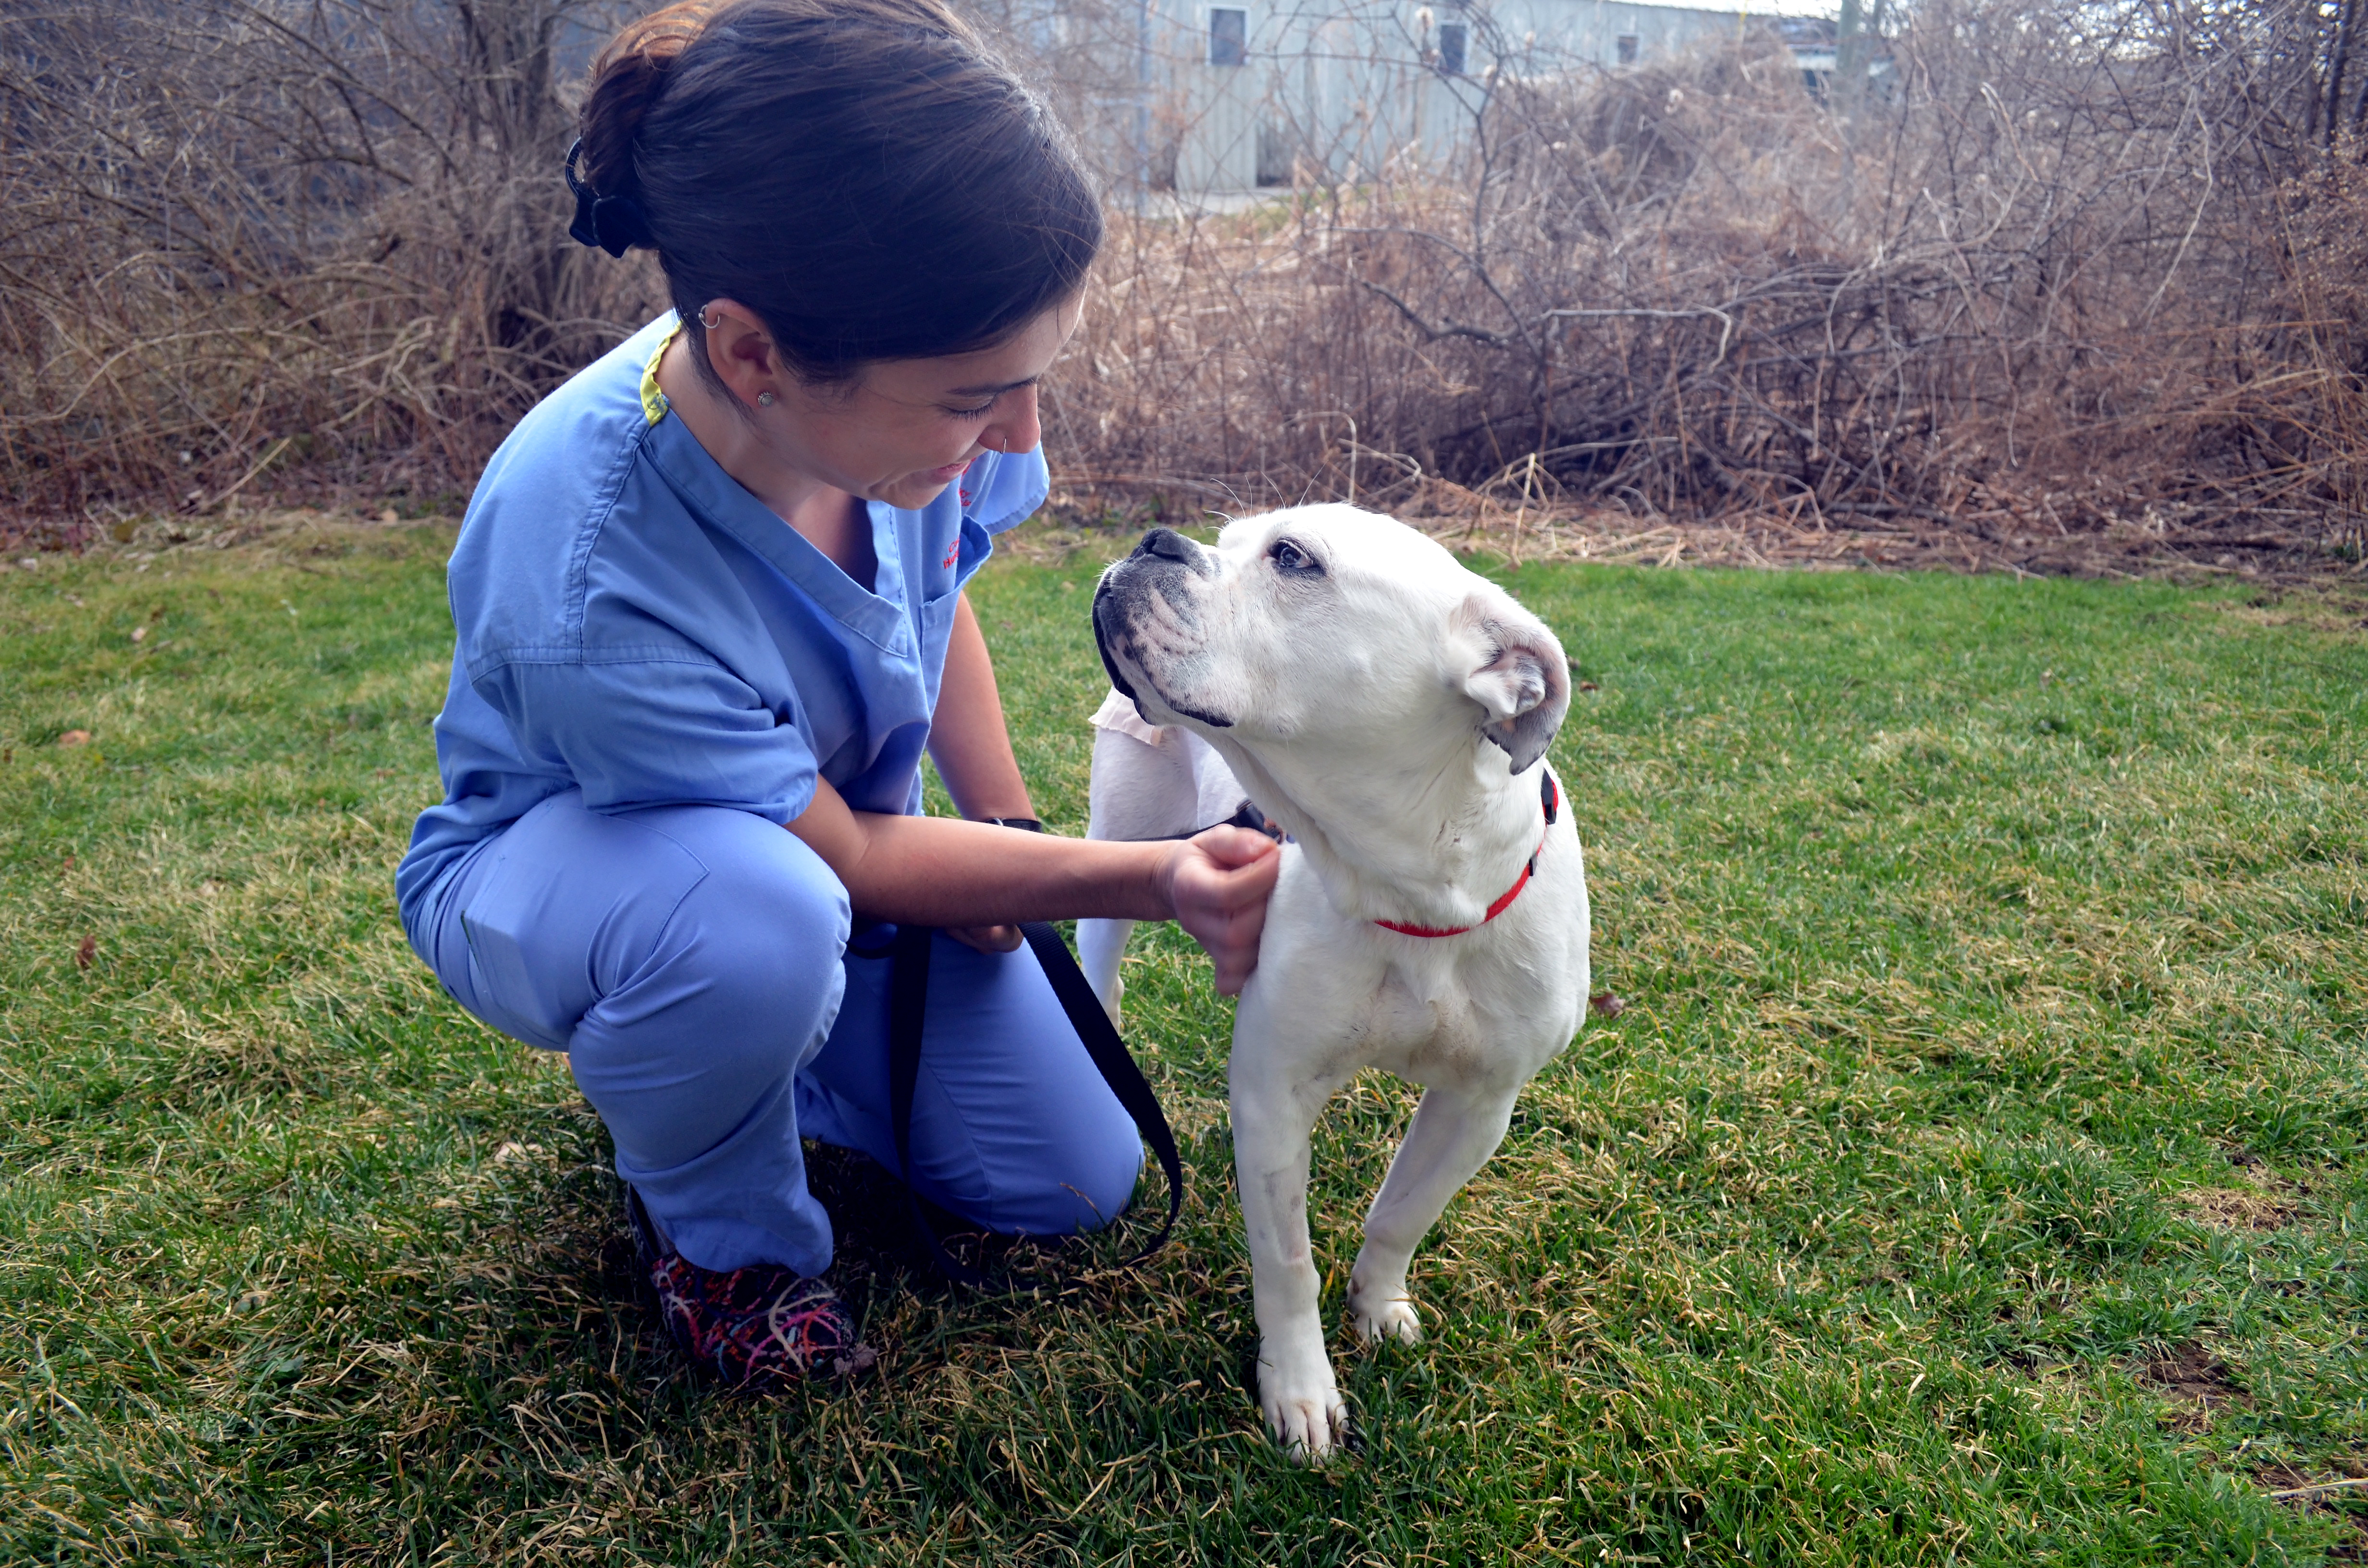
(1623, 49)
(1229, 37)
(1452, 36)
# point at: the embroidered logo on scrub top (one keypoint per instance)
(953, 553)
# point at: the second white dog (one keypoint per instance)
(1391, 711)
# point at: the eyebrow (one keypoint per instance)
(995, 389)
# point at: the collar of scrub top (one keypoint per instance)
(878, 614)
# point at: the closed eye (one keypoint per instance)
(1288, 556)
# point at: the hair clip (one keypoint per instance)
(612, 223)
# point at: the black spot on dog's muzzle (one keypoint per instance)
(1103, 607)
(1120, 597)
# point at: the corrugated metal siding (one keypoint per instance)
(1348, 88)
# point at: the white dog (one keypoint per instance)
(1390, 710)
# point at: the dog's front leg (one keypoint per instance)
(1140, 789)
(1273, 1118)
(1101, 948)
(1453, 1133)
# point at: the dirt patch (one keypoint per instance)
(2339, 1492)
(284, 534)
(1109, 519)
(2333, 590)
(2332, 608)
(2233, 1211)
(2285, 1477)
(2266, 1201)
(2198, 1383)
(18, 535)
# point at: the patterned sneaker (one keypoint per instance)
(751, 1327)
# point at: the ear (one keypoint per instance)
(739, 351)
(1520, 677)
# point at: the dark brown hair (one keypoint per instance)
(862, 174)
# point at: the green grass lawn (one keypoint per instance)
(1975, 1177)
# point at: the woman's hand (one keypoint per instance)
(987, 938)
(1218, 882)
(971, 878)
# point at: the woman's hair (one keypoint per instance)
(861, 173)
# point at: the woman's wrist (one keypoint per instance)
(1151, 895)
(1164, 867)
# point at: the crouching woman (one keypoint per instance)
(709, 614)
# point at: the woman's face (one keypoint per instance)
(909, 428)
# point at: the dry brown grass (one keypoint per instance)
(2068, 297)
(2079, 292)
(247, 247)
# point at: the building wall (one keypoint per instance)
(1332, 90)
(1340, 89)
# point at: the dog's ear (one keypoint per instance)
(1520, 677)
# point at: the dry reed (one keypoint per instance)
(2058, 282)
(2075, 272)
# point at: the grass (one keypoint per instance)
(1975, 1177)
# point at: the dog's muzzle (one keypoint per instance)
(1127, 582)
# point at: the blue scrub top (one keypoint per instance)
(631, 622)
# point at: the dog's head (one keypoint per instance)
(1331, 630)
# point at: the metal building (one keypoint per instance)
(1238, 95)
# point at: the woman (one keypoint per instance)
(711, 590)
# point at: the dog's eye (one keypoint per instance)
(1289, 557)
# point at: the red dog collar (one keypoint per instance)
(1550, 797)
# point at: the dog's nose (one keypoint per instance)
(1166, 542)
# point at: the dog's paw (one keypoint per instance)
(1305, 1413)
(1393, 1318)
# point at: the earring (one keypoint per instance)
(764, 400)
(709, 322)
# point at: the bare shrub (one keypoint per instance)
(2081, 269)
(2068, 268)
(238, 236)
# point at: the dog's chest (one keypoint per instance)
(1424, 1023)
(1484, 1007)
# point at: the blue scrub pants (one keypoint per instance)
(693, 961)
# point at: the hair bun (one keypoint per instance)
(627, 79)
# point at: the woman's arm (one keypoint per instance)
(967, 738)
(936, 872)
(977, 879)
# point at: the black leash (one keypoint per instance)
(908, 1001)
(1245, 815)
